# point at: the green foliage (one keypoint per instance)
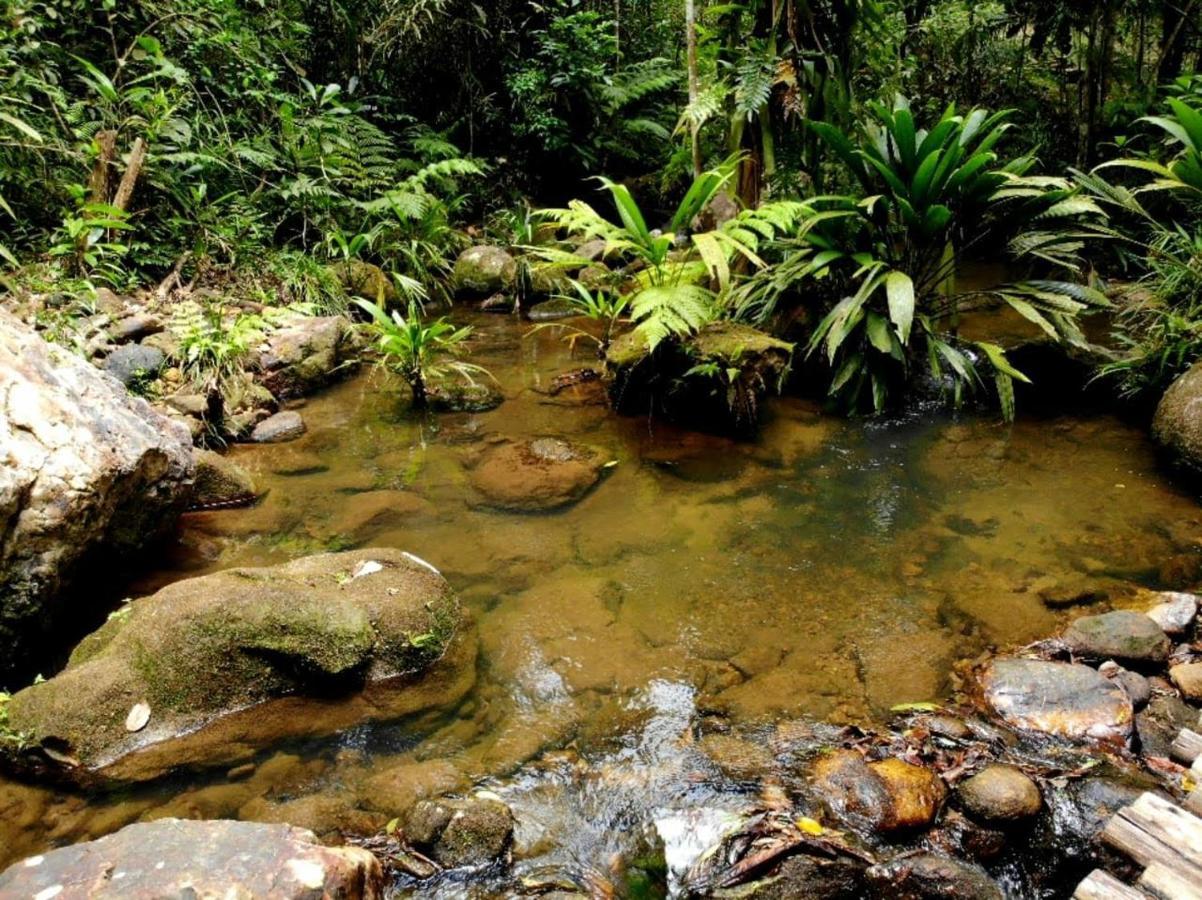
(606, 308)
(888, 255)
(214, 342)
(418, 350)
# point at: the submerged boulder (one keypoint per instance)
(483, 270)
(714, 379)
(181, 858)
(536, 475)
(85, 469)
(1064, 700)
(1177, 425)
(454, 833)
(928, 876)
(306, 354)
(220, 482)
(183, 677)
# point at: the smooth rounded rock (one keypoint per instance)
(1000, 794)
(1065, 700)
(278, 429)
(1177, 425)
(541, 474)
(888, 795)
(484, 270)
(135, 362)
(1122, 635)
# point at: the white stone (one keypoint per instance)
(1175, 612)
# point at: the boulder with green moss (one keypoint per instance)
(483, 270)
(365, 280)
(210, 669)
(714, 379)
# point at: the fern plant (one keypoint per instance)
(684, 275)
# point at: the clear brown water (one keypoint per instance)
(827, 570)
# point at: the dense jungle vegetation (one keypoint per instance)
(821, 170)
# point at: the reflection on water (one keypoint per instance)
(828, 570)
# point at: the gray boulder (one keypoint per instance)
(1122, 635)
(85, 469)
(308, 353)
(133, 362)
(179, 858)
(283, 426)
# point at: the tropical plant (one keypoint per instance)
(214, 343)
(887, 256)
(417, 350)
(606, 308)
(1160, 327)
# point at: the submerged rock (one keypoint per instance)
(85, 469)
(1122, 635)
(484, 270)
(307, 354)
(278, 429)
(342, 637)
(180, 858)
(1063, 700)
(463, 396)
(746, 364)
(931, 877)
(535, 475)
(1177, 425)
(220, 482)
(454, 833)
(888, 795)
(1000, 794)
(550, 310)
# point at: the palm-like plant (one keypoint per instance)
(605, 308)
(678, 288)
(889, 253)
(417, 350)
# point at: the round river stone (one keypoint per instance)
(1000, 793)
(1123, 635)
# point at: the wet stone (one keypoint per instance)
(889, 795)
(1064, 700)
(542, 474)
(1000, 794)
(220, 482)
(130, 363)
(1122, 635)
(456, 833)
(464, 397)
(931, 877)
(1161, 721)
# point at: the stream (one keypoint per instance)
(825, 571)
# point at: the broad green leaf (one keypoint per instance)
(899, 289)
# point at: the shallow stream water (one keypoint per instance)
(827, 570)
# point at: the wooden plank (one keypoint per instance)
(1193, 802)
(1170, 824)
(1165, 883)
(1187, 747)
(1101, 885)
(1130, 839)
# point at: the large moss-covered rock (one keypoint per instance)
(366, 280)
(179, 858)
(732, 366)
(1177, 426)
(483, 270)
(184, 677)
(85, 469)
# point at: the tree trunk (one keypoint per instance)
(125, 190)
(690, 26)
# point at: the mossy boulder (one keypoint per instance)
(220, 482)
(306, 354)
(714, 379)
(455, 833)
(211, 668)
(365, 280)
(1177, 426)
(484, 270)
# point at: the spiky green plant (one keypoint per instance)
(887, 255)
(418, 350)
